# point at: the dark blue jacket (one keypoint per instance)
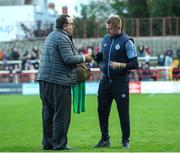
(118, 49)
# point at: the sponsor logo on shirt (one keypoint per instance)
(117, 47)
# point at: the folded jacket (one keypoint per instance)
(79, 91)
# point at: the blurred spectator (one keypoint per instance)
(90, 46)
(6, 54)
(176, 72)
(28, 65)
(146, 72)
(16, 75)
(1, 55)
(178, 53)
(161, 59)
(169, 52)
(14, 54)
(90, 51)
(168, 57)
(168, 61)
(11, 76)
(35, 53)
(140, 72)
(35, 57)
(32, 75)
(85, 50)
(5, 64)
(148, 50)
(25, 58)
(141, 50)
(147, 58)
(97, 48)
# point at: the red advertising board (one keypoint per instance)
(135, 87)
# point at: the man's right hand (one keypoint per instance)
(88, 58)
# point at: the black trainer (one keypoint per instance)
(47, 148)
(125, 144)
(103, 143)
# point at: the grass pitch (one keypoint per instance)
(155, 125)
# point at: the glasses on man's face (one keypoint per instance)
(70, 24)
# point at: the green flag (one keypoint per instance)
(79, 91)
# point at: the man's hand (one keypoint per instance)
(88, 57)
(116, 65)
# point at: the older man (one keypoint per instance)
(57, 73)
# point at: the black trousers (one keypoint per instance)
(56, 114)
(119, 91)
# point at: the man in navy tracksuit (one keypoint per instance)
(117, 56)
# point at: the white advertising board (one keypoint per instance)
(160, 87)
(30, 89)
(11, 18)
(146, 87)
(92, 87)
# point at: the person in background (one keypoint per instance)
(56, 74)
(161, 59)
(168, 60)
(141, 50)
(1, 55)
(14, 54)
(168, 57)
(178, 54)
(148, 50)
(117, 56)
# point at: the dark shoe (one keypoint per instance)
(47, 147)
(125, 144)
(103, 143)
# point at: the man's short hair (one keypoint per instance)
(115, 20)
(61, 20)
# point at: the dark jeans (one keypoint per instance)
(119, 91)
(56, 113)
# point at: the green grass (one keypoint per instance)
(155, 125)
